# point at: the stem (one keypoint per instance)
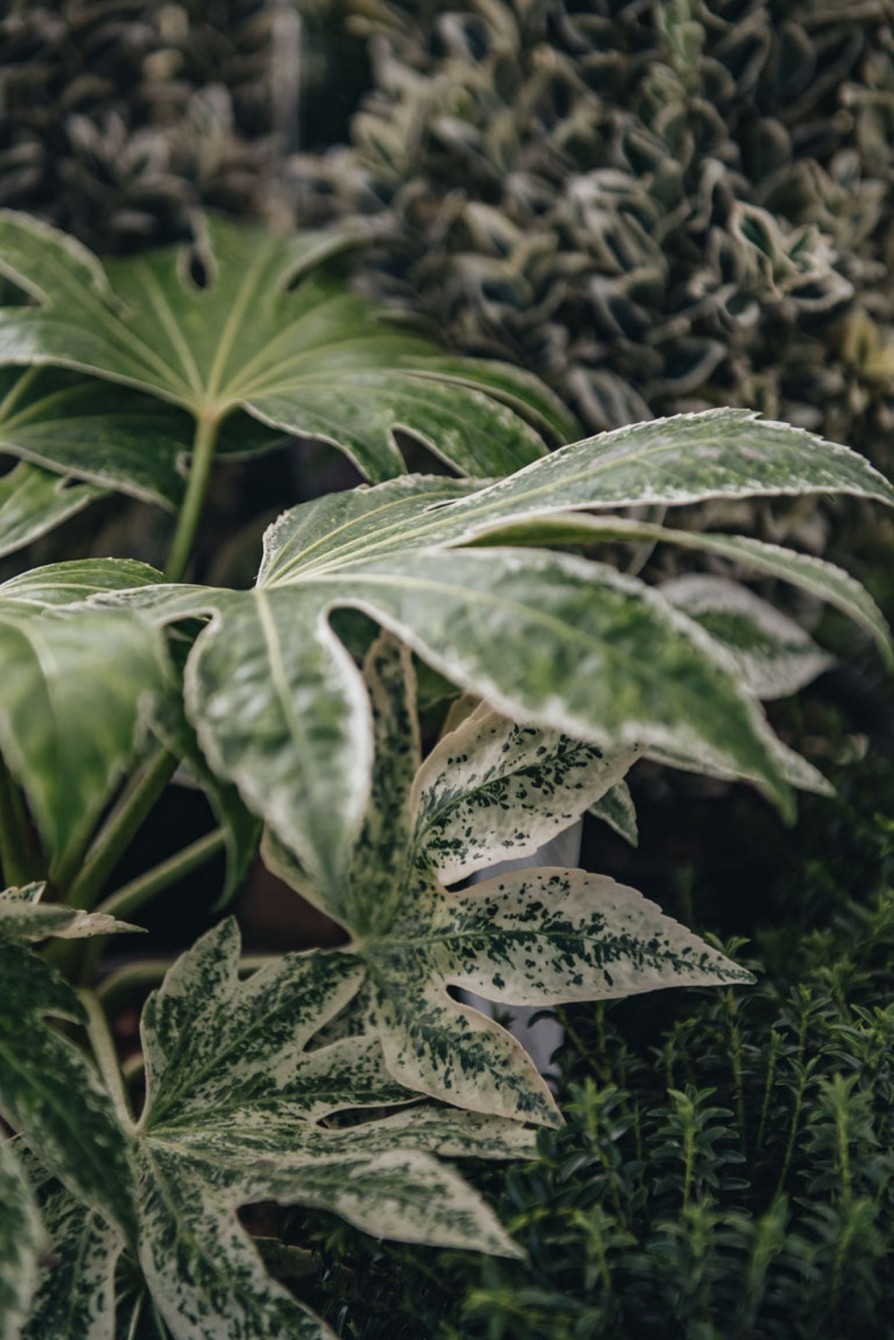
(18, 864)
(131, 896)
(140, 890)
(106, 1054)
(135, 977)
(204, 443)
(120, 827)
(15, 392)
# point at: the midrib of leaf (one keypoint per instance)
(300, 562)
(39, 407)
(265, 383)
(232, 324)
(169, 321)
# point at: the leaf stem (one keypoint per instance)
(131, 896)
(18, 863)
(123, 822)
(204, 443)
(104, 1050)
(135, 977)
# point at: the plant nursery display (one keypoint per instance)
(336, 1079)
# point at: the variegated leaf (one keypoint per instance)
(774, 655)
(24, 917)
(33, 502)
(40, 1071)
(722, 453)
(22, 1238)
(492, 790)
(818, 577)
(280, 711)
(541, 937)
(205, 1275)
(76, 1294)
(616, 808)
(211, 1039)
(531, 939)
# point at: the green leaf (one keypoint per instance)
(110, 436)
(616, 808)
(22, 1239)
(774, 656)
(33, 502)
(492, 790)
(76, 1138)
(23, 917)
(299, 354)
(70, 583)
(76, 1294)
(76, 691)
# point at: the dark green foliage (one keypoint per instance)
(727, 1173)
(119, 118)
(655, 205)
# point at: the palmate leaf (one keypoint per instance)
(236, 1112)
(296, 352)
(233, 1112)
(22, 1239)
(524, 938)
(548, 639)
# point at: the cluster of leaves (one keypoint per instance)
(730, 1174)
(297, 718)
(655, 206)
(119, 119)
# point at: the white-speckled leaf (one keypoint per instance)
(76, 1294)
(720, 453)
(541, 937)
(33, 501)
(616, 808)
(402, 1194)
(50, 1093)
(212, 1040)
(25, 918)
(774, 655)
(22, 1239)
(206, 1277)
(492, 790)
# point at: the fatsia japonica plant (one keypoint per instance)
(336, 1078)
